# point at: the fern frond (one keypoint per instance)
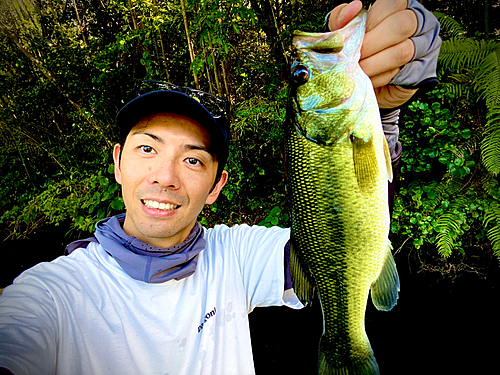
(460, 85)
(443, 189)
(450, 26)
(466, 77)
(457, 89)
(449, 227)
(457, 54)
(492, 217)
(448, 231)
(488, 77)
(490, 148)
(479, 61)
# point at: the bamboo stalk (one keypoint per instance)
(189, 42)
(214, 65)
(80, 27)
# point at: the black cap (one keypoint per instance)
(162, 101)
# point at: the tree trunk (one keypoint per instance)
(79, 26)
(163, 50)
(189, 42)
(209, 76)
(214, 65)
(266, 15)
(224, 77)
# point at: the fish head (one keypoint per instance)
(323, 83)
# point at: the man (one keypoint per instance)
(157, 293)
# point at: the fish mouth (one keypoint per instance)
(164, 206)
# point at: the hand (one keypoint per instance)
(387, 46)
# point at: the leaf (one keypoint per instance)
(492, 220)
(117, 204)
(275, 211)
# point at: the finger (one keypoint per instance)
(343, 14)
(393, 96)
(391, 31)
(388, 59)
(383, 9)
(384, 78)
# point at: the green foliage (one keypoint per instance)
(475, 64)
(492, 216)
(433, 214)
(64, 76)
(451, 142)
(256, 174)
(82, 200)
(441, 201)
(210, 23)
(276, 217)
(436, 135)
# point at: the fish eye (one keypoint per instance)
(300, 74)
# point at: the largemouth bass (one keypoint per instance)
(338, 166)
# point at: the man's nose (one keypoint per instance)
(165, 174)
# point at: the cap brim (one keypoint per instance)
(156, 102)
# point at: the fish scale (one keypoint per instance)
(337, 165)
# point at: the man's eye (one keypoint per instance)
(147, 149)
(193, 161)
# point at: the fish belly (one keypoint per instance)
(339, 241)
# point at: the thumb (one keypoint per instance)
(341, 15)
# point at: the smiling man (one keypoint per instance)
(167, 172)
(154, 292)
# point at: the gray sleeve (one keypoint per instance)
(421, 70)
(390, 124)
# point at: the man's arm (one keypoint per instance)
(28, 326)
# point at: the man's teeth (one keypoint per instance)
(160, 206)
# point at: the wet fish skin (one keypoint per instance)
(338, 165)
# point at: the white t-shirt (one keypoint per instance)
(82, 314)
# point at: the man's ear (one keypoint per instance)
(116, 159)
(212, 197)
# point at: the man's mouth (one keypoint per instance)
(159, 205)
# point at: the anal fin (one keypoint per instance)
(385, 290)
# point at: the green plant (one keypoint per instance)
(276, 217)
(475, 63)
(441, 201)
(433, 133)
(82, 200)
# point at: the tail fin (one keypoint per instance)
(346, 365)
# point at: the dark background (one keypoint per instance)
(439, 326)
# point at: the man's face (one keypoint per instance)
(167, 174)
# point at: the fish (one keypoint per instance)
(338, 166)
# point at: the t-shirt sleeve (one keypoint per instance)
(260, 255)
(27, 328)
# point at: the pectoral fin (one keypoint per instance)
(385, 290)
(365, 162)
